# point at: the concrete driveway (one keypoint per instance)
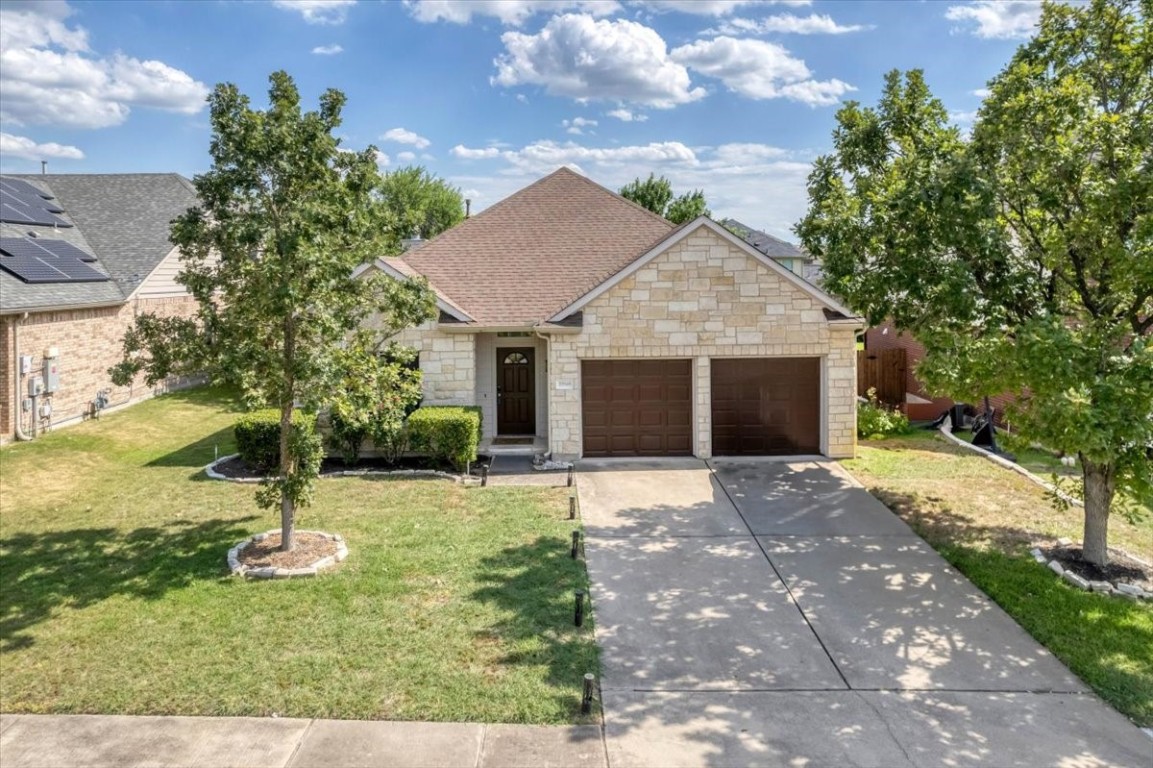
(758, 612)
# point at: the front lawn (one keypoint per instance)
(984, 519)
(455, 604)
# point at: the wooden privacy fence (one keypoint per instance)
(884, 371)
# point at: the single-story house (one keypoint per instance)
(588, 326)
(80, 256)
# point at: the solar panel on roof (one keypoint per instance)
(23, 246)
(46, 261)
(22, 203)
(20, 186)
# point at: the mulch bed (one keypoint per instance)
(239, 469)
(1121, 569)
(307, 549)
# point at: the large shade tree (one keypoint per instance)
(421, 203)
(656, 194)
(1020, 255)
(285, 217)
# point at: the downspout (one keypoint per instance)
(16, 400)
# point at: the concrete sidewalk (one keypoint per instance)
(117, 741)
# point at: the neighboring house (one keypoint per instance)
(589, 326)
(919, 403)
(783, 252)
(80, 257)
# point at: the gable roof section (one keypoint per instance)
(520, 260)
(395, 268)
(842, 315)
(125, 217)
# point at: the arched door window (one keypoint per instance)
(515, 358)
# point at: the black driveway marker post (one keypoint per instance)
(572, 507)
(576, 543)
(483, 475)
(587, 695)
(570, 471)
(579, 616)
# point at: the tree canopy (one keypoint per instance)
(421, 203)
(285, 217)
(656, 194)
(1021, 255)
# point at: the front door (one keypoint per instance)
(515, 392)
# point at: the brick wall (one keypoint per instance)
(88, 342)
(704, 298)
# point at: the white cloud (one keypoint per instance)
(405, 157)
(21, 146)
(465, 153)
(404, 136)
(712, 7)
(627, 115)
(510, 12)
(577, 125)
(761, 185)
(786, 23)
(759, 70)
(382, 159)
(585, 59)
(330, 12)
(963, 117)
(49, 76)
(997, 19)
(40, 25)
(328, 50)
(981, 93)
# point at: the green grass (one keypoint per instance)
(455, 604)
(984, 519)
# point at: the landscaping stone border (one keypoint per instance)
(267, 572)
(1126, 591)
(468, 480)
(1001, 461)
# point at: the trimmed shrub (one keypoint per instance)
(875, 419)
(258, 436)
(446, 432)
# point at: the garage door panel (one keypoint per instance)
(636, 407)
(766, 406)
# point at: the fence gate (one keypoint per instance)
(884, 371)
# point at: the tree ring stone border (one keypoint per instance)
(267, 572)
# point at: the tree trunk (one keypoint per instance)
(1100, 484)
(287, 461)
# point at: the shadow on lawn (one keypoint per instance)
(935, 520)
(534, 584)
(46, 572)
(200, 452)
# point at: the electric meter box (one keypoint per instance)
(25, 365)
(51, 374)
(35, 386)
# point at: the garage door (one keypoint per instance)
(766, 406)
(637, 407)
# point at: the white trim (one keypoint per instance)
(442, 302)
(681, 234)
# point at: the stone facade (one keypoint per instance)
(700, 299)
(447, 362)
(89, 343)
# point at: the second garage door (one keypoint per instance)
(637, 407)
(766, 406)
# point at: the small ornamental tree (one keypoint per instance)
(1020, 256)
(656, 194)
(285, 218)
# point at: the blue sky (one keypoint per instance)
(735, 98)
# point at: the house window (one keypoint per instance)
(515, 358)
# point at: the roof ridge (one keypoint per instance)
(617, 195)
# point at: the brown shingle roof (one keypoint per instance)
(530, 255)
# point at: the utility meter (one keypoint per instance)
(51, 374)
(36, 386)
